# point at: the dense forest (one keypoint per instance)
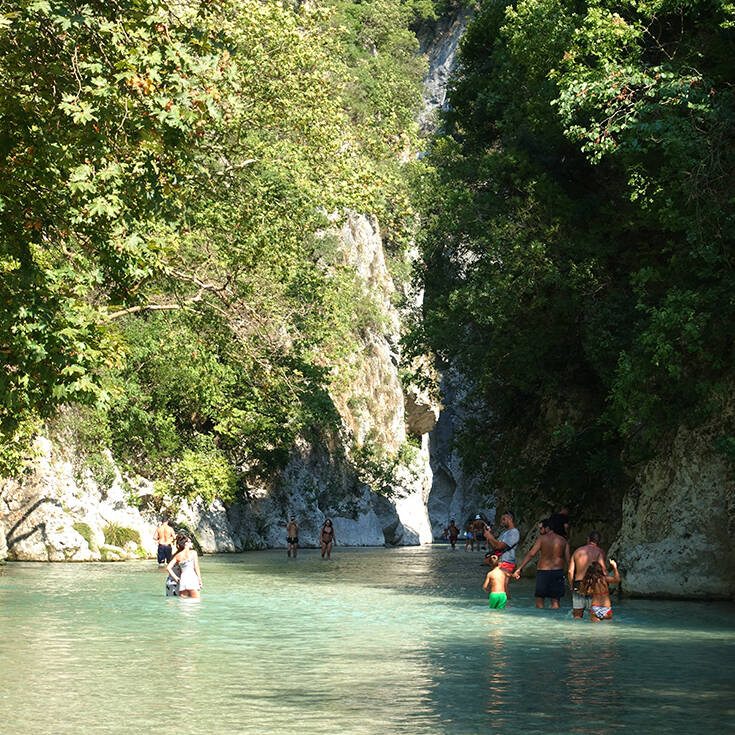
(169, 173)
(577, 238)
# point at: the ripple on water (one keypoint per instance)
(375, 641)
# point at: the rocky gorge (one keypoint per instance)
(672, 532)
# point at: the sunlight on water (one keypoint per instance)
(374, 642)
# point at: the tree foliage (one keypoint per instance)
(579, 219)
(165, 173)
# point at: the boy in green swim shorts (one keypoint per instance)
(495, 583)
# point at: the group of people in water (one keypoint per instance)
(327, 539)
(585, 570)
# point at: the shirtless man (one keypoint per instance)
(292, 536)
(164, 536)
(581, 559)
(553, 558)
(452, 532)
(478, 528)
(469, 536)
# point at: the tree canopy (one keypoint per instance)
(577, 254)
(165, 171)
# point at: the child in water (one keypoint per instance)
(597, 585)
(495, 583)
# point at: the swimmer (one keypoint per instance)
(596, 584)
(495, 583)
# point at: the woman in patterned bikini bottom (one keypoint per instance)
(596, 584)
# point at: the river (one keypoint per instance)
(373, 642)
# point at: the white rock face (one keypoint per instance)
(678, 527)
(454, 494)
(440, 46)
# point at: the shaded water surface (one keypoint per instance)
(374, 642)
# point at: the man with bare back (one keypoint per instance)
(164, 536)
(581, 560)
(292, 536)
(553, 558)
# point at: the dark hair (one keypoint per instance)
(556, 524)
(329, 521)
(181, 541)
(594, 537)
(545, 522)
(511, 514)
(492, 560)
(594, 579)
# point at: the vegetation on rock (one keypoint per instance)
(578, 211)
(165, 171)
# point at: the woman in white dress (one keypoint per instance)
(189, 578)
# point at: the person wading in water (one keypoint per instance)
(585, 555)
(292, 536)
(553, 558)
(327, 538)
(164, 536)
(505, 545)
(452, 531)
(596, 586)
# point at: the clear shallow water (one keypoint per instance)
(376, 641)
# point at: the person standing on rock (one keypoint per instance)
(292, 536)
(164, 536)
(553, 558)
(505, 545)
(590, 553)
(452, 531)
(327, 538)
(189, 578)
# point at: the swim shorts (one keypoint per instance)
(550, 583)
(164, 553)
(497, 600)
(579, 601)
(507, 566)
(292, 539)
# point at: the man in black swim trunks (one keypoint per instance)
(292, 536)
(553, 557)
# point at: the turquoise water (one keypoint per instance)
(374, 642)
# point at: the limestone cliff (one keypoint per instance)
(678, 526)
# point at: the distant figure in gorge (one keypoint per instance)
(452, 532)
(189, 577)
(469, 536)
(327, 538)
(596, 586)
(292, 536)
(505, 545)
(478, 528)
(164, 536)
(559, 522)
(590, 553)
(495, 583)
(553, 559)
